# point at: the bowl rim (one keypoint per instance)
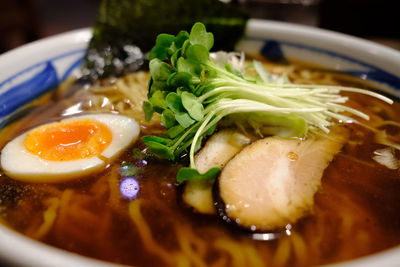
(12, 242)
(259, 27)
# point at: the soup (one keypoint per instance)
(132, 212)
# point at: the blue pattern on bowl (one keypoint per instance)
(26, 91)
(47, 79)
(36, 80)
(274, 51)
(71, 68)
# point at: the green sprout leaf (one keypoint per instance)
(159, 70)
(189, 66)
(185, 174)
(157, 101)
(180, 39)
(184, 119)
(198, 54)
(174, 102)
(168, 118)
(199, 35)
(148, 110)
(180, 79)
(175, 131)
(162, 48)
(193, 95)
(156, 139)
(158, 147)
(192, 105)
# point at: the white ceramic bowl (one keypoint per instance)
(33, 69)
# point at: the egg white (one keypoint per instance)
(124, 131)
(18, 163)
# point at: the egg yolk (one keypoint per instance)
(69, 140)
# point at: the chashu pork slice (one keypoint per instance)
(272, 182)
(219, 149)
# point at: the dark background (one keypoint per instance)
(23, 21)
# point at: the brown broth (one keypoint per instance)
(356, 210)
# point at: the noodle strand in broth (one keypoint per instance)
(355, 211)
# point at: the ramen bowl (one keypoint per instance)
(32, 70)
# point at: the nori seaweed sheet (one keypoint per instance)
(125, 30)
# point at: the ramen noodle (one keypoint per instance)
(138, 218)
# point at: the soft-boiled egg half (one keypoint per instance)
(68, 149)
